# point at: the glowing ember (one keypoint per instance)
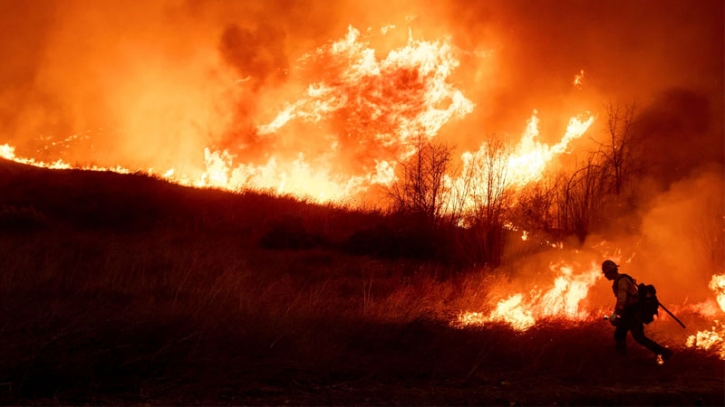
(714, 339)
(523, 311)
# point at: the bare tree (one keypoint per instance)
(486, 198)
(619, 147)
(421, 190)
(534, 209)
(488, 172)
(581, 195)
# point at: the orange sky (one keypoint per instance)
(141, 83)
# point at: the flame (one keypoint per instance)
(385, 104)
(713, 339)
(717, 284)
(8, 152)
(377, 108)
(510, 170)
(531, 157)
(414, 77)
(563, 300)
(395, 99)
(522, 311)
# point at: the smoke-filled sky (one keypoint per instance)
(152, 83)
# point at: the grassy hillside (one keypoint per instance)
(124, 289)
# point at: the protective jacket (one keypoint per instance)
(625, 289)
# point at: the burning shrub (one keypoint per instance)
(21, 218)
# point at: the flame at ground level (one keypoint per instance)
(565, 298)
(522, 311)
(316, 179)
(713, 339)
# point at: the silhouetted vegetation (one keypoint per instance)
(19, 219)
(289, 232)
(125, 289)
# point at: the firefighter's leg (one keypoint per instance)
(641, 338)
(620, 338)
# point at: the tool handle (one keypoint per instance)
(672, 315)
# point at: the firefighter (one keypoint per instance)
(626, 316)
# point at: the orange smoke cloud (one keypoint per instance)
(152, 85)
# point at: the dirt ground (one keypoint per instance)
(422, 363)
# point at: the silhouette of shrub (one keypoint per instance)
(289, 233)
(378, 240)
(395, 240)
(21, 218)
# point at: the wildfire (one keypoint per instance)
(714, 339)
(380, 106)
(485, 170)
(8, 152)
(374, 110)
(522, 311)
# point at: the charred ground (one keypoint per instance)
(124, 289)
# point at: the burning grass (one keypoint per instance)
(196, 312)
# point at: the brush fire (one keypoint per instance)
(386, 106)
(562, 300)
(345, 114)
(714, 338)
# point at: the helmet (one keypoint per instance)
(609, 266)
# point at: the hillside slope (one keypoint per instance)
(124, 289)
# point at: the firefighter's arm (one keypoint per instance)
(622, 290)
(622, 293)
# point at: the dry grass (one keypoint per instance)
(190, 310)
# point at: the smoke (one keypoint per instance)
(129, 84)
(151, 84)
(682, 237)
(256, 55)
(677, 133)
(142, 83)
(628, 51)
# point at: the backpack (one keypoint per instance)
(647, 305)
(648, 302)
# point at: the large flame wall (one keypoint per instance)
(153, 84)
